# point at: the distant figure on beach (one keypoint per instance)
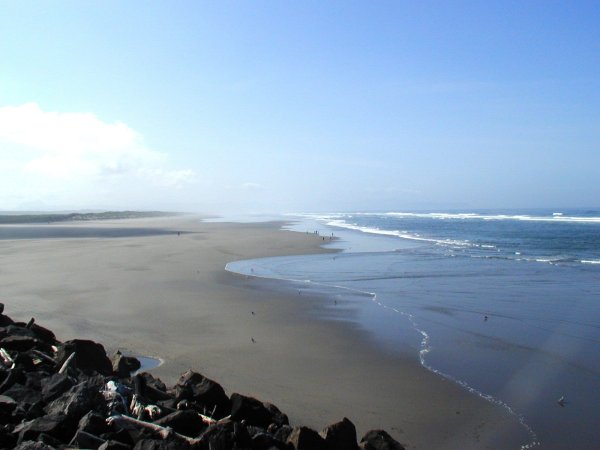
(562, 402)
(485, 318)
(252, 312)
(178, 233)
(253, 341)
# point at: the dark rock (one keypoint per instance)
(18, 343)
(15, 330)
(7, 404)
(250, 410)
(283, 433)
(7, 439)
(93, 423)
(208, 393)
(340, 436)
(89, 356)
(56, 385)
(123, 365)
(150, 381)
(114, 445)
(277, 417)
(23, 394)
(379, 440)
(186, 422)
(120, 435)
(76, 402)
(43, 334)
(83, 439)
(5, 320)
(52, 425)
(49, 440)
(224, 435)
(35, 410)
(31, 445)
(265, 441)
(155, 444)
(303, 438)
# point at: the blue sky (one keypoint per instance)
(299, 106)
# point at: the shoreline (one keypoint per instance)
(318, 371)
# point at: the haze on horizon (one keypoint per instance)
(299, 106)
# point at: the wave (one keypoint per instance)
(590, 261)
(554, 218)
(398, 233)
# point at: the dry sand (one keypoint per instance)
(169, 296)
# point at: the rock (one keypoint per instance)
(55, 385)
(89, 356)
(379, 440)
(52, 425)
(265, 441)
(76, 402)
(250, 410)
(83, 439)
(31, 445)
(43, 334)
(283, 433)
(7, 439)
(303, 438)
(277, 417)
(5, 320)
(93, 423)
(49, 440)
(18, 343)
(208, 393)
(340, 436)
(114, 445)
(155, 444)
(224, 435)
(186, 422)
(123, 365)
(23, 394)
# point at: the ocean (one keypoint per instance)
(504, 303)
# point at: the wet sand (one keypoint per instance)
(168, 296)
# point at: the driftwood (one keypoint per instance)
(163, 432)
(65, 366)
(30, 323)
(42, 355)
(6, 359)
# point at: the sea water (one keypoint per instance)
(504, 303)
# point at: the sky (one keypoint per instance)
(277, 106)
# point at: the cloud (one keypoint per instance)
(75, 145)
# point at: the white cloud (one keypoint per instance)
(74, 146)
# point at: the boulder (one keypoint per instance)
(340, 436)
(23, 394)
(55, 385)
(208, 393)
(250, 410)
(303, 438)
(379, 440)
(224, 435)
(93, 423)
(83, 439)
(89, 356)
(186, 422)
(123, 365)
(19, 343)
(76, 402)
(52, 425)
(31, 445)
(114, 445)
(282, 433)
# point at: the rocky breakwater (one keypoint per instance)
(57, 395)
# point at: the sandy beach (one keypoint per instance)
(167, 295)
